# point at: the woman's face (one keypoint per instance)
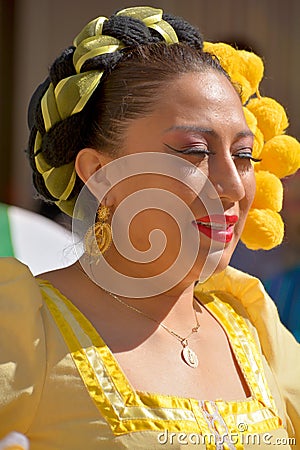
(198, 118)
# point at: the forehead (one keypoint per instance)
(199, 100)
(208, 93)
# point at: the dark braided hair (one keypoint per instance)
(133, 77)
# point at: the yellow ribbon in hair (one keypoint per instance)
(91, 47)
(92, 29)
(59, 181)
(71, 94)
(68, 97)
(152, 18)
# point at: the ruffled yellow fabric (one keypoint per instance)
(264, 229)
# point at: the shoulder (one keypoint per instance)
(18, 286)
(20, 301)
(22, 350)
(247, 293)
(247, 289)
(21, 318)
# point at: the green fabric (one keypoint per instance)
(6, 246)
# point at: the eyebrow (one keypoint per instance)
(244, 133)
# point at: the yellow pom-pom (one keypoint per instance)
(252, 68)
(270, 115)
(244, 87)
(258, 136)
(281, 156)
(258, 144)
(269, 192)
(264, 229)
(250, 119)
(244, 68)
(225, 53)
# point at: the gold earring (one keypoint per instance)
(99, 237)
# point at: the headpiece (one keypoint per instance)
(266, 118)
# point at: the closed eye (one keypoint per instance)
(191, 151)
(246, 154)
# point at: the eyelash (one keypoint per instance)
(197, 151)
(190, 151)
(245, 155)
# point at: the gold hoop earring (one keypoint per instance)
(99, 236)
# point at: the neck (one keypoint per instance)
(174, 308)
(174, 311)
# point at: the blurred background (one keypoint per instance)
(34, 32)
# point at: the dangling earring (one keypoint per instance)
(99, 237)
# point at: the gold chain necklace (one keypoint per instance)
(187, 354)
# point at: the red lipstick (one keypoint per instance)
(217, 227)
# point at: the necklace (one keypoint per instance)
(187, 354)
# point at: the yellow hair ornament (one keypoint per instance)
(244, 68)
(225, 53)
(243, 85)
(264, 229)
(69, 97)
(269, 192)
(258, 144)
(270, 115)
(71, 94)
(152, 18)
(60, 180)
(280, 153)
(67, 206)
(146, 14)
(258, 136)
(252, 68)
(92, 29)
(250, 119)
(91, 47)
(280, 156)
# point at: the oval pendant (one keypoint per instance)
(189, 357)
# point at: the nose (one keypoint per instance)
(226, 179)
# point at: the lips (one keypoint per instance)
(217, 227)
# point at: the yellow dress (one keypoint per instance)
(61, 386)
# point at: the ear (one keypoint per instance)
(88, 162)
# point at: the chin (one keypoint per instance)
(223, 263)
(219, 259)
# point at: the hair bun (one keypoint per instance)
(185, 31)
(35, 107)
(63, 66)
(130, 31)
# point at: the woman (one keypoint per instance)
(164, 365)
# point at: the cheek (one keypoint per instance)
(248, 180)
